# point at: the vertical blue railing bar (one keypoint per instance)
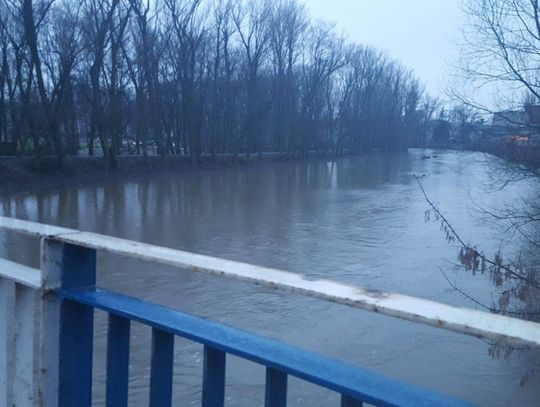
(332, 374)
(78, 268)
(347, 401)
(117, 361)
(276, 388)
(161, 368)
(213, 394)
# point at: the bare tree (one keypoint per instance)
(251, 21)
(193, 77)
(501, 52)
(323, 56)
(288, 24)
(52, 68)
(189, 41)
(150, 41)
(99, 17)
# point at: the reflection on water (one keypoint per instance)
(360, 221)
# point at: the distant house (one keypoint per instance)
(506, 127)
(533, 117)
(515, 134)
(510, 119)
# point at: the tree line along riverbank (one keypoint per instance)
(195, 78)
(20, 174)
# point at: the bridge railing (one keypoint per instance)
(46, 329)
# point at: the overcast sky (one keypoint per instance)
(421, 34)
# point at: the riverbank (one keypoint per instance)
(527, 155)
(18, 175)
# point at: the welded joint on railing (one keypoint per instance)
(52, 259)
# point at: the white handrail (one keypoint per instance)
(20, 274)
(494, 327)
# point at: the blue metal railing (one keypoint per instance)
(68, 297)
(80, 297)
(356, 385)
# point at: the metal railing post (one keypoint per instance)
(18, 360)
(23, 352)
(213, 377)
(7, 321)
(276, 388)
(161, 368)
(116, 394)
(66, 326)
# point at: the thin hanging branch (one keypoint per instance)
(469, 256)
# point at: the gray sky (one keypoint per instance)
(421, 34)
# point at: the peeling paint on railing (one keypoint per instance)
(493, 327)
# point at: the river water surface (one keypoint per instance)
(359, 220)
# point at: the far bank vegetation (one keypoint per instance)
(193, 78)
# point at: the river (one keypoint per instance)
(356, 220)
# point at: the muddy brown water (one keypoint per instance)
(358, 220)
